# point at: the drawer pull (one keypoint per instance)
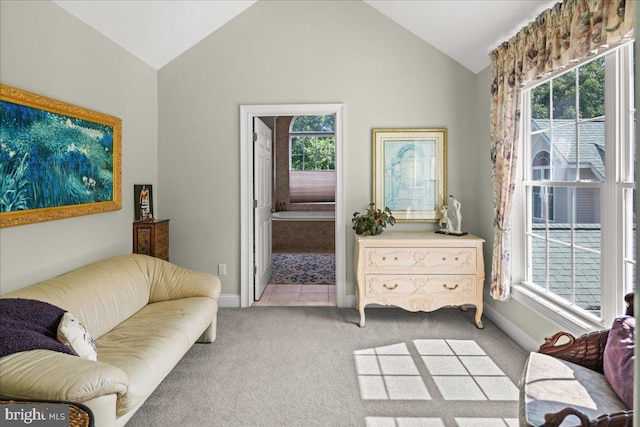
(384, 258)
(444, 258)
(456, 258)
(392, 287)
(444, 285)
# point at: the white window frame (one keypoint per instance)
(619, 165)
(293, 134)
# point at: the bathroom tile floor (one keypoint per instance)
(297, 295)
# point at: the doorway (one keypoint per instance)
(247, 115)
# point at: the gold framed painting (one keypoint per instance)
(57, 160)
(410, 172)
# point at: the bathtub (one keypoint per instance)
(303, 231)
(304, 216)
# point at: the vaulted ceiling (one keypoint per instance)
(159, 31)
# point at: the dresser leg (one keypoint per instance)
(361, 317)
(479, 319)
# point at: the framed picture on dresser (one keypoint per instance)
(410, 172)
(143, 202)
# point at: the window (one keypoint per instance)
(312, 145)
(578, 183)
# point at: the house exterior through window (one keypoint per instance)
(578, 185)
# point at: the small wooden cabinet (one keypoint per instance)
(419, 271)
(151, 238)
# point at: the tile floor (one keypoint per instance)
(298, 295)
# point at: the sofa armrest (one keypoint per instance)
(49, 375)
(170, 282)
(585, 350)
(616, 419)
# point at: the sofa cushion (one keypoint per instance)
(75, 335)
(549, 385)
(618, 358)
(149, 344)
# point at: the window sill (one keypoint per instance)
(564, 316)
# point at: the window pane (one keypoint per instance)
(538, 260)
(297, 163)
(544, 202)
(591, 85)
(592, 150)
(587, 236)
(587, 281)
(314, 124)
(563, 154)
(537, 203)
(540, 97)
(560, 270)
(296, 146)
(587, 205)
(564, 96)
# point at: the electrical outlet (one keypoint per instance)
(222, 269)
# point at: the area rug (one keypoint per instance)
(304, 269)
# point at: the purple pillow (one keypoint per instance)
(618, 358)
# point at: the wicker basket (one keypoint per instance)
(79, 415)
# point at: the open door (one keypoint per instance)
(262, 155)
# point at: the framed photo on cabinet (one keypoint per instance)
(143, 202)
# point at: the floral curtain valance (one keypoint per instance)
(567, 33)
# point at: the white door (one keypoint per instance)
(262, 183)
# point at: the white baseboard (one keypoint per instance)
(229, 300)
(523, 339)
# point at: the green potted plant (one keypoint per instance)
(372, 221)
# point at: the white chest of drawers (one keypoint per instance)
(419, 271)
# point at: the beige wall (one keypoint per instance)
(44, 49)
(296, 53)
(275, 52)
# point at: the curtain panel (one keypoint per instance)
(561, 36)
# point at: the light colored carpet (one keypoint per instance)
(313, 366)
(304, 269)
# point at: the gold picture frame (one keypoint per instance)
(57, 160)
(410, 172)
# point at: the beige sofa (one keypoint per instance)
(144, 314)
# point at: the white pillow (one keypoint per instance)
(74, 335)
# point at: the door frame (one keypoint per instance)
(247, 113)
